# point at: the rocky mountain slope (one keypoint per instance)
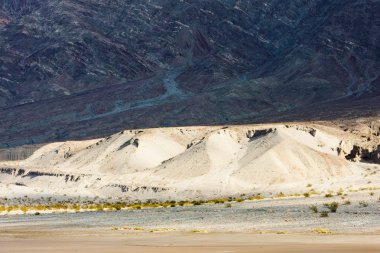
(79, 69)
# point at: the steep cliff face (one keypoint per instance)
(76, 69)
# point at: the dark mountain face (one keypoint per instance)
(77, 69)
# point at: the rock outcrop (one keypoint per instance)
(364, 154)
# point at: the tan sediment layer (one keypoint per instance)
(117, 241)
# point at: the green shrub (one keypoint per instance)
(314, 208)
(321, 231)
(256, 197)
(333, 206)
(324, 214)
(24, 209)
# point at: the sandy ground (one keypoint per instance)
(116, 241)
(272, 225)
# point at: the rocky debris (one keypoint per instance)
(67, 155)
(33, 174)
(310, 130)
(251, 134)
(193, 143)
(364, 154)
(133, 142)
(126, 188)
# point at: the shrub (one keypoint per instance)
(218, 201)
(199, 231)
(306, 194)
(24, 209)
(321, 231)
(333, 206)
(328, 195)
(228, 205)
(308, 185)
(324, 214)
(256, 197)
(314, 208)
(347, 202)
(363, 204)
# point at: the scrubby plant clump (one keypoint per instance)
(333, 206)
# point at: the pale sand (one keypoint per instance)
(117, 241)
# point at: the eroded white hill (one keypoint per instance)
(187, 162)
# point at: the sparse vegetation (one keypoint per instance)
(133, 229)
(321, 231)
(24, 209)
(347, 202)
(340, 192)
(314, 208)
(199, 231)
(324, 214)
(333, 206)
(256, 197)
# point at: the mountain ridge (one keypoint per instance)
(84, 69)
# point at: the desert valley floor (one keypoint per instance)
(253, 187)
